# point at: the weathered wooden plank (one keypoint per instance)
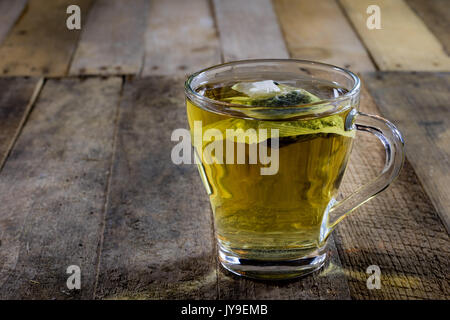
(399, 230)
(436, 15)
(172, 242)
(181, 38)
(10, 11)
(112, 39)
(52, 190)
(419, 104)
(17, 96)
(158, 240)
(403, 42)
(249, 30)
(319, 31)
(40, 43)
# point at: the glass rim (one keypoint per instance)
(190, 92)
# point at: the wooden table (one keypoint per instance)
(85, 124)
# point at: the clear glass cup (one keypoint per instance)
(272, 219)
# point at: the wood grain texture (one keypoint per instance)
(399, 230)
(436, 15)
(249, 30)
(419, 103)
(158, 240)
(112, 41)
(403, 42)
(40, 43)
(52, 190)
(10, 11)
(181, 38)
(319, 31)
(17, 96)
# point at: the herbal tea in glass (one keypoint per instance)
(272, 146)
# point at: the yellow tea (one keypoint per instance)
(266, 216)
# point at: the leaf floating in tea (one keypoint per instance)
(270, 94)
(258, 89)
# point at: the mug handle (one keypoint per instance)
(393, 143)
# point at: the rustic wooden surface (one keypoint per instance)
(337, 43)
(17, 96)
(418, 104)
(158, 241)
(111, 41)
(40, 43)
(403, 42)
(399, 230)
(249, 29)
(435, 15)
(180, 38)
(52, 189)
(10, 10)
(88, 178)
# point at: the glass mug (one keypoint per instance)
(272, 172)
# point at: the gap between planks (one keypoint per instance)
(107, 191)
(26, 112)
